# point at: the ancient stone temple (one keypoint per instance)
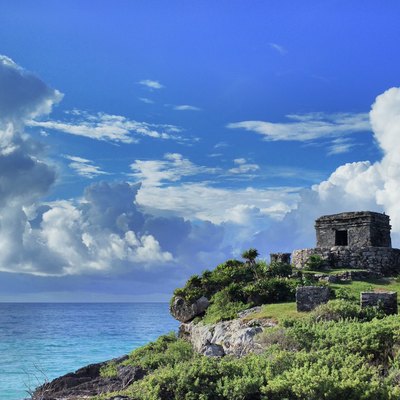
(353, 229)
(359, 240)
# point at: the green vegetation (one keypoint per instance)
(303, 360)
(336, 351)
(234, 286)
(314, 262)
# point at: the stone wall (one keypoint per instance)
(382, 260)
(280, 258)
(309, 297)
(362, 229)
(386, 300)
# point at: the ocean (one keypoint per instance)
(40, 341)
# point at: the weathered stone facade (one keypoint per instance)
(356, 240)
(353, 229)
(384, 260)
(280, 258)
(309, 297)
(387, 301)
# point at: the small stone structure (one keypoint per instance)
(309, 297)
(357, 240)
(353, 229)
(387, 301)
(280, 258)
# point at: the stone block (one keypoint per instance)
(387, 301)
(309, 297)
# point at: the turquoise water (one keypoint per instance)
(39, 341)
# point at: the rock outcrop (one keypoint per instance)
(185, 312)
(234, 337)
(87, 382)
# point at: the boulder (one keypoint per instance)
(185, 312)
(235, 337)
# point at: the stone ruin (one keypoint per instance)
(387, 301)
(356, 240)
(309, 297)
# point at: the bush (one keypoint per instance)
(335, 310)
(223, 306)
(314, 262)
(278, 269)
(166, 350)
(272, 290)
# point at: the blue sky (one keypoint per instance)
(142, 142)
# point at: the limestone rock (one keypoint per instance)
(235, 337)
(87, 382)
(185, 312)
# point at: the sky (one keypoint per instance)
(143, 142)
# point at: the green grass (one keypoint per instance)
(277, 311)
(332, 271)
(355, 287)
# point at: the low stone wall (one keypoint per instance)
(386, 300)
(309, 297)
(383, 260)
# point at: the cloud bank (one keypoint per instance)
(167, 227)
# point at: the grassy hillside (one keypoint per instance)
(337, 351)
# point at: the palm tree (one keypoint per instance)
(250, 256)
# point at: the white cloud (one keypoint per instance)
(84, 167)
(186, 107)
(280, 49)
(307, 127)
(106, 127)
(151, 84)
(340, 146)
(243, 167)
(172, 169)
(204, 202)
(353, 186)
(23, 95)
(146, 100)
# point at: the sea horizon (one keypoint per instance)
(46, 340)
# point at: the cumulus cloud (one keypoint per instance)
(352, 187)
(106, 127)
(84, 167)
(151, 84)
(161, 230)
(23, 95)
(307, 127)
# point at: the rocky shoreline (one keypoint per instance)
(234, 337)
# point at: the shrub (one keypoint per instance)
(272, 290)
(223, 307)
(314, 262)
(166, 350)
(278, 269)
(335, 310)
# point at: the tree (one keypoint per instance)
(250, 256)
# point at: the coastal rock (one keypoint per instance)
(185, 312)
(235, 337)
(87, 382)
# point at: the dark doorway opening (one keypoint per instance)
(341, 238)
